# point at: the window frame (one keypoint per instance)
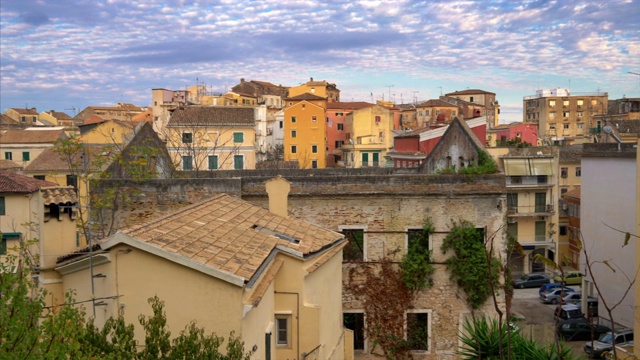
(413, 229)
(294, 149)
(26, 156)
(342, 228)
(184, 162)
(187, 137)
(217, 164)
(8, 155)
(294, 133)
(3, 206)
(429, 313)
(340, 127)
(238, 135)
(287, 319)
(294, 119)
(235, 157)
(314, 149)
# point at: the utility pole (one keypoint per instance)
(389, 86)
(415, 98)
(440, 87)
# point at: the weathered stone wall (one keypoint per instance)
(385, 205)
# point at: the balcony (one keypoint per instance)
(528, 182)
(370, 164)
(595, 130)
(528, 211)
(536, 240)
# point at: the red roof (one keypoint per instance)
(353, 105)
(11, 182)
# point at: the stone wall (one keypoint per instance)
(386, 205)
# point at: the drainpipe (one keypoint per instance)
(297, 317)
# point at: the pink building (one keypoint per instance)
(501, 134)
(336, 135)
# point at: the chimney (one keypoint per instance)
(311, 79)
(241, 80)
(278, 191)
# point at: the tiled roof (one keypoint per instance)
(306, 96)
(570, 153)
(25, 111)
(59, 115)
(213, 115)
(230, 234)
(51, 160)
(470, 92)
(6, 120)
(575, 193)
(93, 119)
(436, 102)
(11, 182)
(8, 164)
(31, 136)
(354, 105)
(59, 195)
(626, 126)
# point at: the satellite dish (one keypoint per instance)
(608, 129)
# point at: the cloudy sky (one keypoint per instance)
(69, 54)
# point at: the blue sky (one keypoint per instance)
(67, 54)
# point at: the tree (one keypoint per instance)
(31, 330)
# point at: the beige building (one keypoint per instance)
(22, 146)
(562, 117)
(26, 117)
(32, 209)
(532, 201)
(484, 98)
(434, 112)
(232, 266)
(57, 118)
(203, 138)
(322, 88)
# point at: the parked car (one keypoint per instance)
(531, 280)
(570, 278)
(606, 342)
(625, 348)
(553, 296)
(547, 287)
(579, 329)
(566, 312)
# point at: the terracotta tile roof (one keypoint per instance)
(570, 153)
(232, 235)
(470, 92)
(31, 111)
(93, 119)
(354, 105)
(213, 115)
(575, 193)
(8, 164)
(50, 160)
(59, 115)
(436, 102)
(306, 96)
(625, 126)
(6, 120)
(11, 182)
(32, 136)
(59, 195)
(143, 116)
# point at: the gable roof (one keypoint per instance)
(8, 164)
(7, 120)
(92, 119)
(213, 115)
(470, 92)
(226, 237)
(353, 105)
(436, 102)
(12, 182)
(59, 115)
(306, 96)
(51, 160)
(575, 193)
(22, 111)
(32, 136)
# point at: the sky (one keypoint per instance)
(65, 55)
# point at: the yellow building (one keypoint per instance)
(202, 138)
(434, 112)
(26, 117)
(108, 132)
(57, 118)
(275, 281)
(369, 137)
(32, 209)
(22, 146)
(322, 88)
(305, 131)
(563, 118)
(532, 204)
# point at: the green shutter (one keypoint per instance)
(238, 162)
(2, 206)
(213, 162)
(238, 137)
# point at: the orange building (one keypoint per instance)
(305, 131)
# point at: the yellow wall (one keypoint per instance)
(211, 141)
(571, 181)
(317, 90)
(309, 132)
(368, 135)
(109, 132)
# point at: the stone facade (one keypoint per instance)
(385, 206)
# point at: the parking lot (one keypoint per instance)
(537, 318)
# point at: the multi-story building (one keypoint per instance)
(532, 200)
(305, 130)
(336, 132)
(57, 118)
(514, 133)
(121, 111)
(22, 146)
(266, 92)
(322, 88)
(570, 207)
(163, 101)
(434, 112)
(562, 117)
(368, 137)
(487, 99)
(26, 117)
(201, 138)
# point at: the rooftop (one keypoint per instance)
(213, 115)
(12, 182)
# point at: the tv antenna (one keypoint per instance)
(74, 110)
(389, 86)
(440, 87)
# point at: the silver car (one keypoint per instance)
(553, 296)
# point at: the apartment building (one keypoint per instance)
(487, 99)
(563, 117)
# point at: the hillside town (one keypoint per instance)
(315, 228)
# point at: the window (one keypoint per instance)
(541, 202)
(540, 230)
(552, 103)
(578, 171)
(282, 330)
(471, 99)
(213, 162)
(314, 119)
(377, 120)
(187, 162)
(339, 114)
(552, 115)
(453, 113)
(238, 137)
(437, 111)
(580, 102)
(552, 126)
(314, 164)
(355, 323)
(565, 126)
(565, 114)
(238, 162)
(39, 177)
(426, 112)
(281, 124)
(8, 155)
(72, 180)
(293, 119)
(580, 126)
(294, 133)
(512, 202)
(563, 230)
(340, 126)
(24, 119)
(314, 149)
(339, 144)
(294, 149)
(354, 251)
(418, 330)
(565, 103)
(3, 210)
(564, 172)
(417, 241)
(579, 114)
(187, 138)
(25, 156)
